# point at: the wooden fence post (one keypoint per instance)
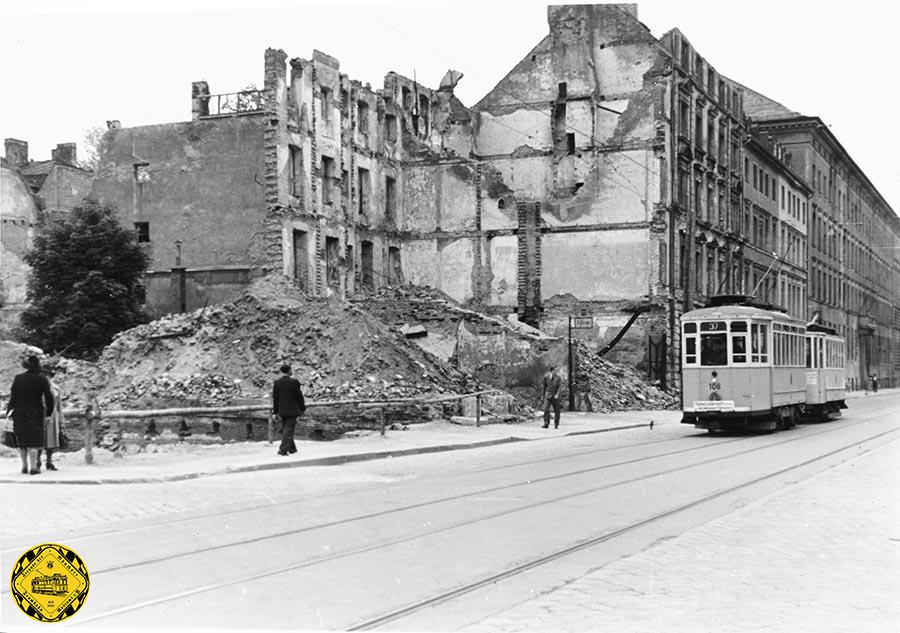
(92, 411)
(477, 410)
(271, 423)
(381, 417)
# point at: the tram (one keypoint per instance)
(55, 585)
(825, 373)
(750, 367)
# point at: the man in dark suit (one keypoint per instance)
(551, 393)
(287, 403)
(30, 399)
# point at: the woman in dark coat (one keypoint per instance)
(30, 400)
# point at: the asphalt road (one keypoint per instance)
(432, 542)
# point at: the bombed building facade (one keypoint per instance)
(31, 193)
(610, 175)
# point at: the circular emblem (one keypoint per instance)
(49, 582)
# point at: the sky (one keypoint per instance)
(72, 65)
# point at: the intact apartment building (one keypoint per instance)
(853, 240)
(610, 173)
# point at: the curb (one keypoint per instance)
(332, 460)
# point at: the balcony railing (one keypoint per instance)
(234, 103)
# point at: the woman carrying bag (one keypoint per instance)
(30, 401)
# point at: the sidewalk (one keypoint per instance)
(189, 460)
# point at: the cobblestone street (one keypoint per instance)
(823, 555)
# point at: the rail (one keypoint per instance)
(93, 414)
(234, 102)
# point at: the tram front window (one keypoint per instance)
(713, 349)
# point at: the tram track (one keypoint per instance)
(398, 614)
(245, 578)
(244, 509)
(440, 500)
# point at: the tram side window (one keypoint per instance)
(690, 343)
(738, 342)
(759, 352)
(690, 350)
(808, 352)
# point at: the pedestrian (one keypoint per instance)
(582, 384)
(30, 401)
(551, 392)
(54, 422)
(287, 404)
(875, 382)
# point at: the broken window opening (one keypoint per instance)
(390, 127)
(390, 200)
(364, 190)
(570, 143)
(327, 180)
(368, 259)
(395, 272)
(345, 104)
(345, 189)
(296, 175)
(407, 98)
(301, 259)
(362, 123)
(424, 109)
(327, 107)
(332, 263)
(142, 229)
(578, 185)
(501, 203)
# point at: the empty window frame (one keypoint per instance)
(296, 160)
(142, 230)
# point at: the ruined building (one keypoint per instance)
(31, 192)
(610, 175)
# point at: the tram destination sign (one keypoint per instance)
(581, 322)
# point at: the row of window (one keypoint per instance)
(718, 341)
(724, 343)
(329, 184)
(793, 204)
(420, 115)
(707, 78)
(713, 142)
(762, 181)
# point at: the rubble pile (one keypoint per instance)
(408, 305)
(76, 378)
(615, 387)
(231, 353)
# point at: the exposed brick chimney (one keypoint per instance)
(16, 152)
(65, 153)
(199, 99)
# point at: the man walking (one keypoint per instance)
(552, 387)
(287, 403)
